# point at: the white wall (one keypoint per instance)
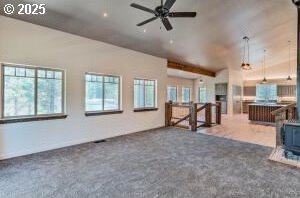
(181, 82)
(235, 78)
(25, 43)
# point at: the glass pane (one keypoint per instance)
(41, 73)
(49, 98)
(58, 75)
(186, 94)
(18, 96)
(9, 71)
(111, 96)
(139, 100)
(93, 96)
(50, 74)
(20, 71)
(172, 94)
(30, 72)
(149, 96)
(88, 77)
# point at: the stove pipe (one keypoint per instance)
(297, 3)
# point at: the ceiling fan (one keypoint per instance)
(163, 12)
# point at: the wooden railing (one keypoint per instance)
(192, 115)
(281, 115)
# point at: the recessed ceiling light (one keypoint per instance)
(144, 30)
(105, 14)
(171, 41)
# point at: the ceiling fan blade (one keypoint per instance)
(143, 8)
(167, 24)
(182, 14)
(169, 4)
(147, 21)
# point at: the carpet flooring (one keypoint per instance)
(159, 163)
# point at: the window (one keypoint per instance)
(32, 91)
(266, 92)
(186, 94)
(202, 93)
(102, 93)
(144, 93)
(172, 93)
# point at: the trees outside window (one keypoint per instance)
(32, 91)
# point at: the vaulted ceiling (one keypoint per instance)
(213, 40)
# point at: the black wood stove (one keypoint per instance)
(290, 136)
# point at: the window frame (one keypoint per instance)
(141, 109)
(36, 115)
(267, 98)
(190, 95)
(172, 86)
(200, 88)
(103, 112)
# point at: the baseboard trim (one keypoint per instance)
(66, 144)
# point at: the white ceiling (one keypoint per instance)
(213, 39)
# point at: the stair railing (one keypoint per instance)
(188, 115)
(287, 113)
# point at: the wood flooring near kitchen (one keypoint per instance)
(238, 127)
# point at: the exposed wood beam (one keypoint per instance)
(192, 69)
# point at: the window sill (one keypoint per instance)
(31, 119)
(145, 109)
(99, 113)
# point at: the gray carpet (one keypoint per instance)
(159, 163)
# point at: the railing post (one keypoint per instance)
(193, 118)
(208, 115)
(168, 113)
(218, 113)
(192, 111)
(290, 113)
(279, 119)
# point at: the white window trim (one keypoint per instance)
(155, 93)
(36, 68)
(119, 92)
(176, 92)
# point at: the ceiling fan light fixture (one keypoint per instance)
(289, 78)
(163, 13)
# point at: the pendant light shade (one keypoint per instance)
(289, 77)
(246, 62)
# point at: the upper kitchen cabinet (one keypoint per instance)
(286, 90)
(221, 89)
(250, 91)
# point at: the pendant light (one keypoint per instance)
(246, 57)
(264, 81)
(289, 77)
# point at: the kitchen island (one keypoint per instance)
(261, 112)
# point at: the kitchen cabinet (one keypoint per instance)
(250, 91)
(221, 89)
(286, 90)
